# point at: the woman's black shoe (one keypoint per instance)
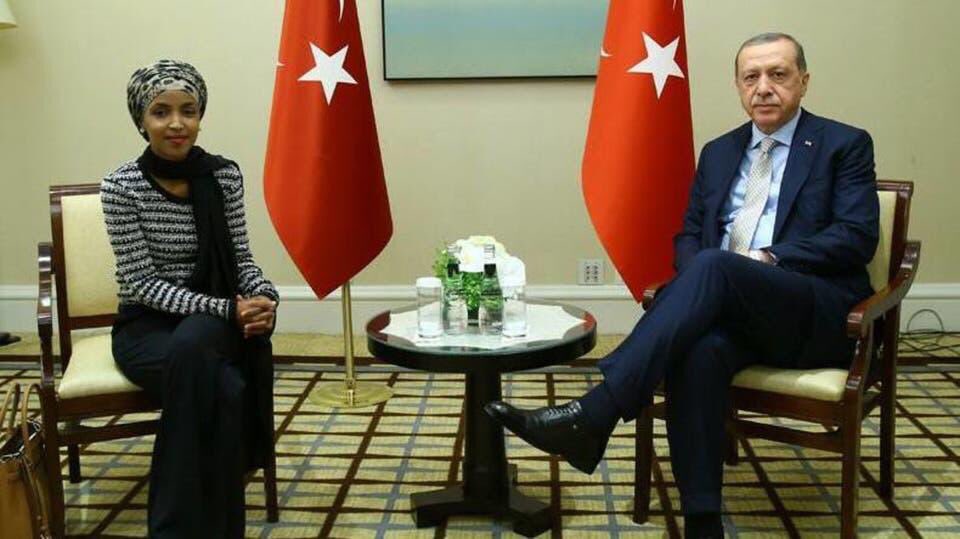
(703, 526)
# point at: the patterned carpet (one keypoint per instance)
(350, 473)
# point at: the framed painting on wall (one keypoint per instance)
(440, 39)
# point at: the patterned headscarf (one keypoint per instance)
(148, 82)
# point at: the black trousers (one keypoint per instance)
(721, 314)
(197, 366)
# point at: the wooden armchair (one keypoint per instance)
(835, 398)
(90, 384)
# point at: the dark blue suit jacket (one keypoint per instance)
(827, 214)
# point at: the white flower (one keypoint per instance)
(509, 268)
(512, 272)
(501, 251)
(471, 257)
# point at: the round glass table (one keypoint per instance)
(488, 484)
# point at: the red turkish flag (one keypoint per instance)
(323, 179)
(638, 161)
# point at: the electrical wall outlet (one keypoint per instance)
(590, 271)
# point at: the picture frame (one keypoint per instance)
(467, 39)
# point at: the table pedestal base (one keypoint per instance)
(489, 483)
(530, 517)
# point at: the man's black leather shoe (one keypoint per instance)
(558, 430)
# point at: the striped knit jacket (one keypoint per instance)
(155, 242)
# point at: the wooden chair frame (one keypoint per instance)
(70, 411)
(871, 383)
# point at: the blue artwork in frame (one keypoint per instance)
(431, 39)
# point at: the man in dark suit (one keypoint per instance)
(781, 222)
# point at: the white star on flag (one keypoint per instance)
(659, 62)
(328, 71)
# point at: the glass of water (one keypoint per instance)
(429, 300)
(514, 310)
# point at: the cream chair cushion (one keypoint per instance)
(92, 370)
(826, 384)
(879, 267)
(88, 257)
(818, 384)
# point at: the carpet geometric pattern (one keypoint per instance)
(350, 473)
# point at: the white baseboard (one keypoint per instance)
(614, 308)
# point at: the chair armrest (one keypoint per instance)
(864, 313)
(861, 318)
(45, 312)
(651, 292)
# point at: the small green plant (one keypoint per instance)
(440, 262)
(471, 281)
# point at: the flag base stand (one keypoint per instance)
(350, 393)
(361, 395)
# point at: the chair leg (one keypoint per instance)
(887, 450)
(73, 461)
(732, 451)
(270, 485)
(270, 470)
(51, 457)
(642, 466)
(888, 424)
(55, 483)
(850, 483)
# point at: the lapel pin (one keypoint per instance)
(808, 143)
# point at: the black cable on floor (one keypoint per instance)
(935, 342)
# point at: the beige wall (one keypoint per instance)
(498, 157)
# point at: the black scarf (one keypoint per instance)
(215, 271)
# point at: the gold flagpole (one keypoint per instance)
(350, 394)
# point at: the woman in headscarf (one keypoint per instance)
(195, 311)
